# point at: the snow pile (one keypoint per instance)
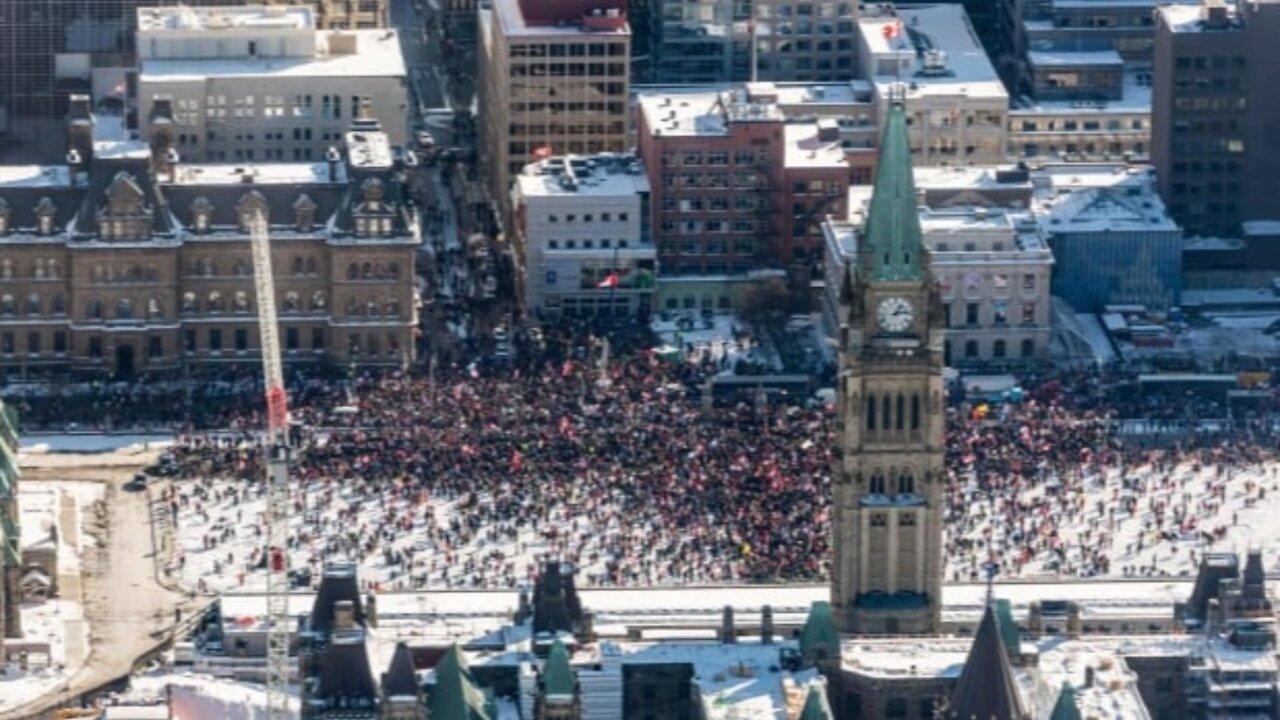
(200, 697)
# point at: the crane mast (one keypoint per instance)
(276, 443)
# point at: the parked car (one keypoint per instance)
(137, 484)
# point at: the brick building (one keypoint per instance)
(736, 190)
(127, 259)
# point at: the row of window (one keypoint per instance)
(33, 306)
(999, 313)
(710, 203)
(714, 226)
(535, 50)
(973, 280)
(588, 217)
(999, 350)
(1077, 125)
(716, 158)
(1117, 149)
(604, 243)
(713, 181)
(35, 346)
(740, 246)
(892, 415)
(41, 269)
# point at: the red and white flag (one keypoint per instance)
(610, 281)
(893, 30)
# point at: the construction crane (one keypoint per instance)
(276, 443)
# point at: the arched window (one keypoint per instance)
(1028, 348)
(998, 349)
(915, 412)
(188, 302)
(242, 301)
(877, 484)
(312, 267)
(215, 301)
(154, 311)
(317, 301)
(871, 412)
(291, 301)
(33, 304)
(901, 416)
(299, 265)
(971, 349)
(8, 305)
(37, 271)
(124, 309)
(885, 413)
(366, 271)
(52, 269)
(59, 304)
(371, 307)
(393, 271)
(353, 272)
(906, 484)
(946, 352)
(94, 310)
(353, 307)
(6, 269)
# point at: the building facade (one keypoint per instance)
(930, 55)
(886, 570)
(737, 191)
(50, 48)
(582, 237)
(767, 40)
(128, 260)
(1216, 112)
(993, 273)
(553, 79)
(255, 83)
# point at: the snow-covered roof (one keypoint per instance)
(1131, 205)
(805, 150)
(702, 112)
(1183, 18)
(34, 176)
(943, 27)
(180, 18)
(511, 16)
(282, 173)
(1135, 97)
(377, 54)
(605, 176)
(1052, 58)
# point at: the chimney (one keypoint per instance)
(766, 625)
(344, 616)
(161, 127)
(75, 164)
(332, 157)
(728, 635)
(171, 160)
(371, 610)
(80, 128)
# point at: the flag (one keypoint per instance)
(119, 88)
(542, 153)
(610, 281)
(892, 31)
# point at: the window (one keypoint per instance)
(1029, 282)
(33, 343)
(155, 348)
(60, 342)
(215, 339)
(879, 520)
(1028, 348)
(242, 339)
(317, 338)
(998, 349)
(877, 484)
(906, 484)
(1028, 313)
(900, 416)
(189, 340)
(971, 314)
(291, 338)
(971, 349)
(915, 412)
(908, 519)
(95, 347)
(871, 412)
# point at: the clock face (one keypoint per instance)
(895, 314)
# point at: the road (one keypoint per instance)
(127, 609)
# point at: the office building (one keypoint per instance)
(709, 41)
(1216, 114)
(128, 259)
(553, 80)
(929, 56)
(264, 83)
(582, 239)
(1088, 106)
(10, 532)
(737, 191)
(51, 48)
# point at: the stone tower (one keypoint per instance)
(887, 566)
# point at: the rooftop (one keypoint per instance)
(1051, 58)
(702, 112)
(369, 149)
(376, 53)
(34, 176)
(593, 176)
(260, 173)
(946, 57)
(183, 18)
(805, 149)
(1129, 205)
(1135, 98)
(553, 17)
(1187, 18)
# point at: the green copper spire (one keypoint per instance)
(455, 695)
(1065, 708)
(819, 639)
(893, 236)
(815, 706)
(557, 675)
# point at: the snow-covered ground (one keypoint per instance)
(38, 444)
(1237, 510)
(60, 622)
(201, 697)
(716, 342)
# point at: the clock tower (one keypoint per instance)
(886, 571)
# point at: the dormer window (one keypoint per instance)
(201, 214)
(250, 207)
(304, 213)
(46, 211)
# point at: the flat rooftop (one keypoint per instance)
(597, 176)
(1056, 58)
(262, 174)
(1135, 98)
(1186, 18)
(377, 54)
(702, 112)
(511, 17)
(34, 176)
(225, 17)
(968, 71)
(805, 150)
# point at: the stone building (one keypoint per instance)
(886, 569)
(127, 259)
